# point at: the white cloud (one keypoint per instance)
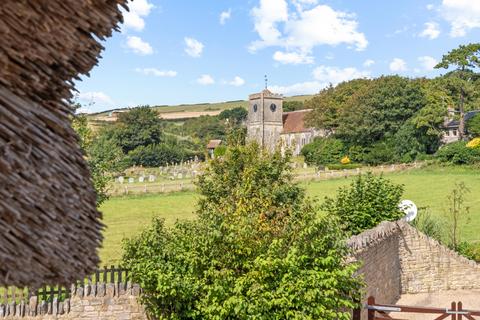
(323, 77)
(205, 80)
(139, 46)
(138, 9)
(305, 27)
(430, 6)
(309, 87)
(193, 47)
(431, 31)
(93, 98)
(368, 63)
(336, 75)
(225, 15)
(428, 63)
(237, 82)
(398, 65)
(293, 57)
(463, 15)
(156, 72)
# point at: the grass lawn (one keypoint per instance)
(428, 187)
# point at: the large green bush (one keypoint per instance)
(157, 155)
(259, 249)
(368, 201)
(458, 153)
(324, 151)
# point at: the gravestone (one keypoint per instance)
(141, 179)
(305, 166)
(180, 176)
(131, 180)
(121, 179)
(151, 178)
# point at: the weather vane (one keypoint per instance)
(266, 82)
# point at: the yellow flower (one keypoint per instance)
(345, 160)
(474, 143)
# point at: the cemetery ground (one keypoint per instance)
(427, 187)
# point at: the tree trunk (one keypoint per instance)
(461, 128)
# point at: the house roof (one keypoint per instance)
(294, 121)
(49, 225)
(212, 144)
(468, 115)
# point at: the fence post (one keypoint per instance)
(371, 313)
(454, 308)
(460, 308)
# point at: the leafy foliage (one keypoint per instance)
(293, 105)
(235, 115)
(140, 126)
(368, 201)
(258, 249)
(324, 151)
(458, 153)
(473, 125)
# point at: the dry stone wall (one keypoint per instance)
(398, 259)
(96, 301)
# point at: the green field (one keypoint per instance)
(207, 106)
(428, 187)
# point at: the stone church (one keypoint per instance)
(271, 127)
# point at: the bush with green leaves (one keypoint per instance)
(324, 151)
(380, 153)
(258, 249)
(458, 153)
(473, 125)
(368, 201)
(156, 155)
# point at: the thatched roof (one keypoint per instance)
(49, 225)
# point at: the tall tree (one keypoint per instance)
(465, 59)
(140, 126)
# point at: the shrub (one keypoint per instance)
(257, 250)
(220, 151)
(427, 224)
(469, 250)
(380, 153)
(156, 155)
(458, 153)
(368, 201)
(474, 143)
(345, 160)
(323, 151)
(473, 125)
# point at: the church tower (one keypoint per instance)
(264, 123)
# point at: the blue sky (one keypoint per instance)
(191, 51)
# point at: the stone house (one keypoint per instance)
(451, 125)
(270, 127)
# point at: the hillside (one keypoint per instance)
(185, 111)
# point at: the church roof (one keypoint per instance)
(294, 121)
(49, 225)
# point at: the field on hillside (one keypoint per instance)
(427, 187)
(203, 107)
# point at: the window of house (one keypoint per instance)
(455, 132)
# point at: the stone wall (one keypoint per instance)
(398, 259)
(96, 301)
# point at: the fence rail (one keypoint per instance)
(188, 185)
(377, 311)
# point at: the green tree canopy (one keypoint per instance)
(140, 126)
(258, 249)
(236, 115)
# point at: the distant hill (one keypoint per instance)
(184, 111)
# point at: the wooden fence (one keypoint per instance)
(377, 311)
(188, 185)
(9, 295)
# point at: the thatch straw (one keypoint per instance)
(49, 225)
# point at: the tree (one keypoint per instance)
(368, 201)
(236, 115)
(293, 105)
(465, 59)
(140, 126)
(457, 213)
(473, 125)
(324, 151)
(257, 249)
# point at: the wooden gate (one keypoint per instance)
(384, 311)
